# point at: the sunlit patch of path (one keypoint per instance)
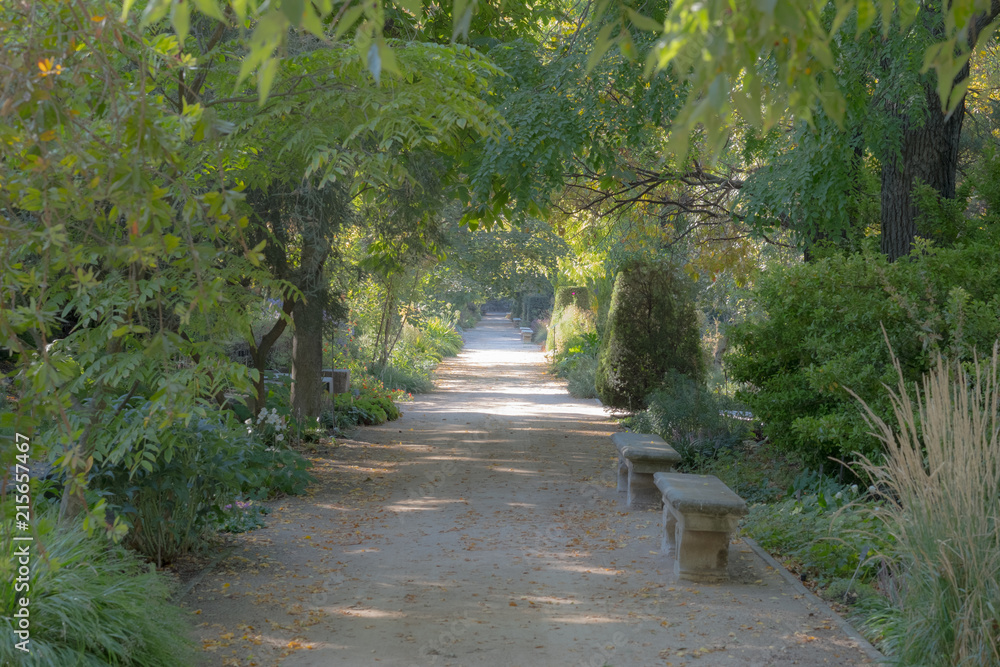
(483, 528)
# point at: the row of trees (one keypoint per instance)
(152, 189)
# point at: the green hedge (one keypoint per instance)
(822, 334)
(652, 329)
(571, 317)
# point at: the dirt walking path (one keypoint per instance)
(483, 528)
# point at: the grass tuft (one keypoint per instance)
(91, 603)
(941, 476)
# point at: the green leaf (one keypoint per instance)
(643, 22)
(265, 78)
(126, 6)
(821, 50)
(210, 8)
(866, 15)
(180, 18)
(311, 21)
(293, 10)
(349, 18)
(462, 23)
(415, 7)
(601, 46)
(374, 61)
(127, 329)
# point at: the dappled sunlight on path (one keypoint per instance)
(483, 528)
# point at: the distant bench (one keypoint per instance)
(640, 455)
(526, 334)
(700, 514)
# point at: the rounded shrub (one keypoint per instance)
(652, 330)
(828, 327)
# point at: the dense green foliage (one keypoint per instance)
(572, 318)
(92, 603)
(173, 502)
(823, 532)
(652, 329)
(373, 405)
(695, 421)
(822, 336)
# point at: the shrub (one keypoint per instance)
(571, 317)
(941, 475)
(410, 379)
(92, 603)
(756, 472)
(581, 378)
(372, 406)
(535, 306)
(443, 337)
(652, 328)
(242, 517)
(691, 418)
(173, 501)
(824, 536)
(540, 331)
(822, 334)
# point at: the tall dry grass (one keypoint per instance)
(941, 474)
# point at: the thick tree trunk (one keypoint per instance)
(307, 359)
(307, 344)
(928, 153)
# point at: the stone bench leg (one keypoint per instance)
(669, 545)
(702, 556)
(622, 475)
(642, 491)
(699, 545)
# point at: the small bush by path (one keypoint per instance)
(92, 603)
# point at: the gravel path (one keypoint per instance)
(483, 528)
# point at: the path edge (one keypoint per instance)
(848, 629)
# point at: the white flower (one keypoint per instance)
(279, 437)
(840, 494)
(854, 488)
(274, 411)
(247, 421)
(263, 411)
(872, 489)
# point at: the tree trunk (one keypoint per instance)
(259, 352)
(928, 153)
(307, 359)
(307, 343)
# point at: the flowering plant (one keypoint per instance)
(241, 517)
(269, 427)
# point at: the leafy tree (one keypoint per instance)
(786, 54)
(117, 264)
(314, 148)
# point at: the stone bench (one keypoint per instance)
(640, 455)
(700, 514)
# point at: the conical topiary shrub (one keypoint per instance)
(652, 328)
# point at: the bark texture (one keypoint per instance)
(307, 344)
(928, 154)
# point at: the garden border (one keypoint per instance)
(814, 600)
